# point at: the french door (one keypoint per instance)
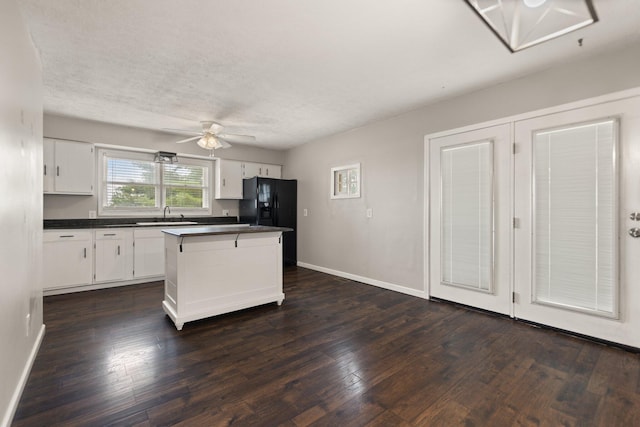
(576, 184)
(470, 218)
(547, 230)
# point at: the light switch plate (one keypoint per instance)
(225, 212)
(369, 213)
(92, 215)
(305, 212)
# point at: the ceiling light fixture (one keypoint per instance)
(165, 157)
(534, 3)
(520, 24)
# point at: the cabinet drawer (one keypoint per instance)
(60, 235)
(112, 234)
(149, 233)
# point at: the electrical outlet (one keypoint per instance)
(305, 212)
(92, 215)
(225, 212)
(369, 213)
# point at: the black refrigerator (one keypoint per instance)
(269, 201)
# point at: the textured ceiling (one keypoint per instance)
(286, 71)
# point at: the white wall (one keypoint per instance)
(389, 247)
(20, 207)
(60, 206)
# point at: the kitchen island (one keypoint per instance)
(214, 270)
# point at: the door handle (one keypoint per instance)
(57, 170)
(634, 232)
(118, 249)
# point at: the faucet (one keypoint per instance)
(164, 212)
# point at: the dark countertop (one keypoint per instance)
(132, 222)
(211, 230)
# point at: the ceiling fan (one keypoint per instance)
(212, 136)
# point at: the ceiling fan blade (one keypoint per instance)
(182, 131)
(237, 138)
(214, 128)
(223, 144)
(189, 139)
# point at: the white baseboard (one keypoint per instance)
(104, 285)
(366, 280)
(17, 393)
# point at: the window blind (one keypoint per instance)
(467, 215)
(575, 217)
(130, 183)
(186, 185)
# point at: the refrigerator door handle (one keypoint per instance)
(275, 209)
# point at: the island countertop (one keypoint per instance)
(212, 230)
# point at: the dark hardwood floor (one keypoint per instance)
(336, 353)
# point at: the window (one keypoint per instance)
(132, 183)
(345, 181)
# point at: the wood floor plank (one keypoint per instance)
(337, 352)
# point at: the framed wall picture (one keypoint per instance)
(345, 181)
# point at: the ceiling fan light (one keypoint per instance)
(208, 142)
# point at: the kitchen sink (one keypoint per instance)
(162, 223)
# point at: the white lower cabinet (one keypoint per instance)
(148, 253)
(113, 255)
(79, 258)
(67, 258)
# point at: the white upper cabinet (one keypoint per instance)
(249, 170)
(68, 167)
(228, 179)
(272, 171)
(49, 165)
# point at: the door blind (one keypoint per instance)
(575, 210)
(467, 215)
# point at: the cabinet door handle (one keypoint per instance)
(259, 171)
(224, 182)
(109, 234)
(267, 169)
(118, 249)
(85, 252)
(67, 235)
(45, 170)
(57, 170)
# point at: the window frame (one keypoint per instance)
(349, 172)
(104, 211)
